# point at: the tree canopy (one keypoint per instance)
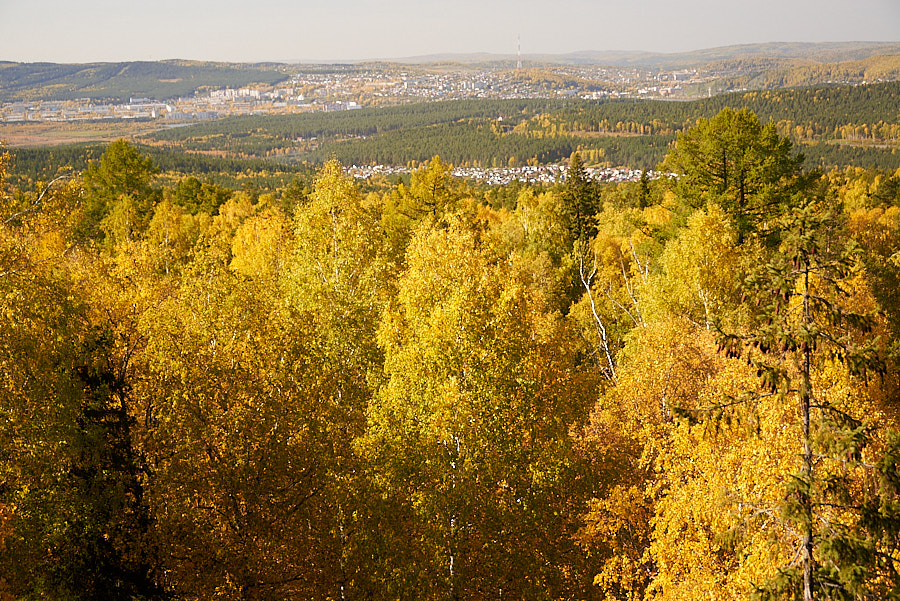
(422, 389)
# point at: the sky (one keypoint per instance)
(76, 31)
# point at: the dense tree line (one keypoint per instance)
(824, 110)
(657, 390)
(361, 122)
(43, 164)
(835, 156)
(481, 145)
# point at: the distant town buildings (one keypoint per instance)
(347, 87)
(531, 174)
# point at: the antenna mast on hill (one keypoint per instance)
(519, 52)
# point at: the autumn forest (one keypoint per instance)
(679, 388)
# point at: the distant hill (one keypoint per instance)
(753, 66)
(750, 67)
(120, 81)
(771, 74)
(828, 52)
(817, 52)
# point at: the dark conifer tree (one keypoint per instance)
(580, 200)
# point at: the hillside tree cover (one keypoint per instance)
(121, 81)
(842, 125)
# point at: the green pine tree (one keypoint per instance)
(843, 513)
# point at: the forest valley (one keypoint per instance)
(684, 388)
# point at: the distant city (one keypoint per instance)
(353, 87)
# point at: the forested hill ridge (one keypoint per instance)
(835, 126)
(122, 81)
(768, 74)
(825, 52)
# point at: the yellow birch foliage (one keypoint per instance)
(470, 430)
(714, 524)
(172, 234)
(40, 320)
(718, 530)
(261, 244)
(243, 443)
(878, 232)
(688, 518)
(700, 275)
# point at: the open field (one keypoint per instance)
(36, 135)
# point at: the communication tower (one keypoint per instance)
(519, 53)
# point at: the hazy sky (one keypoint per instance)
(290, 30)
